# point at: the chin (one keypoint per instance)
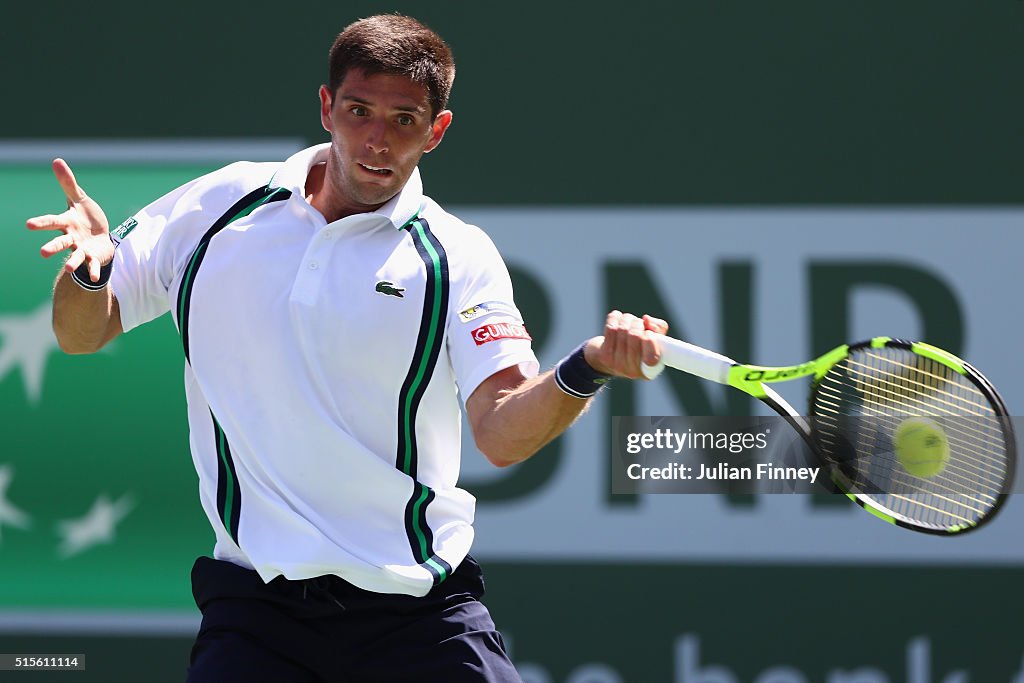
(376, 198)
(378, 194)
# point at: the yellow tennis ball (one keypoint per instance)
(921, 447)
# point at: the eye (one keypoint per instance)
(406, 120)
(358, 110)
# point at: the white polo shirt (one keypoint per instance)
(322, 364)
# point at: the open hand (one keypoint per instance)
(84, 227)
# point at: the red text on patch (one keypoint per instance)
(495, 331)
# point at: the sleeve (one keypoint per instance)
(153, 244)
(486, 331)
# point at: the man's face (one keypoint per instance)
(380, 126)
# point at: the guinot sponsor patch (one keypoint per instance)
(496, 331)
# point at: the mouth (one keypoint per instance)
(376, 170)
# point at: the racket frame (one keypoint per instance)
(979, 381)
(753, 380)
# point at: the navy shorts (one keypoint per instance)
(327, 630)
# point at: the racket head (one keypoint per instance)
(858, 403)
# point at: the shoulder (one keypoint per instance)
(179, 218)
(216, 191)
(476, 270)
(463, 242)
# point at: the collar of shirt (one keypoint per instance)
(399, 210)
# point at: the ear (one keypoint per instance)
(437, 129)
(326, 104)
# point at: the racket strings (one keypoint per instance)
(950, 395)
(933, 381)
(960, 439)
(963, 477)
(939, 504)
(950, 489)
(906, 481)
(912, 392)
(860, 403)
(987, 446)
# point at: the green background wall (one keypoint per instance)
(791, 101)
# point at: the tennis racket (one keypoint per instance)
(860, 396)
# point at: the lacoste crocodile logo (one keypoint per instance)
(388, 287)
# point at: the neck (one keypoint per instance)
(324, 196)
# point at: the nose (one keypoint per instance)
(377, 141)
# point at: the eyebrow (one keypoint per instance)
(359, 100)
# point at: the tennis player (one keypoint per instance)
(331, 316)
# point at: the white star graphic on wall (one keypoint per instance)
(9, 514)
(95, 527)
(27, 341)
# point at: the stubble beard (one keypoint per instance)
(351, 191)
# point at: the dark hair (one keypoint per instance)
(394, 44)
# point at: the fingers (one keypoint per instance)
(631, 346)
(628, 349)
(52, 222)
(76, 259)
(49, 222)
(67, 181)
(57, 245)
(655, 324)
(653, 363)
(94, 252)
(612, 341)
(627, 344)
(80, 256)
(652, 352)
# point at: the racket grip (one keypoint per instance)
(690, 359)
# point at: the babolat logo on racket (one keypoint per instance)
(121, 231)
(773, 374)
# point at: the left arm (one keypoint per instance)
(513, 417)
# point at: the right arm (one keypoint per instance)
(513, 416)
(83, 321)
